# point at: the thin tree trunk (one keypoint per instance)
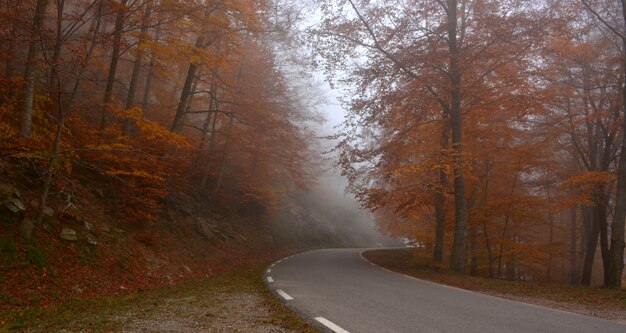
(179, 117)
(207, 168)
(57, 40)
(27, 226)
(550, 237)
(573, 273)
(220, 174)
(30, 73)
(440, 202)
(149, 75)
(473, 248)
(134, 77)
(115, 57)
(506, 225)
(601, 222)
(489, 252)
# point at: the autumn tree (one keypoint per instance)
(439, 51)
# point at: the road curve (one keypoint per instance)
(337, 290)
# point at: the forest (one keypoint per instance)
(489, 132)
(155, 95)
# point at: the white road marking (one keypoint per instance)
(270, 280)
(333, 327)
(284, 295)
(273, 265)
(269, 270)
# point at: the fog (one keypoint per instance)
(326, 214)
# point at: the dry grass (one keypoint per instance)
(599, 302)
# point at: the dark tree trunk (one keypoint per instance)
(457, 261)
(115, 57)
(592, 231)
(30, 74)
(220, 174)
(207, 167)
(489, 251)
(134, 77)
(149, 75)
(616, 251)
(181, 110)
(57, 41)
(440, 202)
(573, 273)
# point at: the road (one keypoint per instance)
(337, 288)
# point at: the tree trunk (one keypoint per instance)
(149, 75)
(600, 217)
(573, 272)
(457, 261)
(57, 41)
(27, 226)
(207, 168)
(115, 57)
(592, 231)
(134, 77)
(473, 248)
(179, 118)
(506, 225)
(616, 252)
(550, 236)
(220, 175)
(489, 252)
(440, 202)
(30, 73)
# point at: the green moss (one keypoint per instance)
(36, 256)
(8, 251)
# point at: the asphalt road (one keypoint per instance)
(337, 288)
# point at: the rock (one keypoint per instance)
(77, 289)
(69, 234)
(119, 231)
(187, 268)
(15, 205)
(88, 226)
(91, 239)
(48, 211)
(205, 229)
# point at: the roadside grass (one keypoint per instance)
(599, 302)
(237, 301)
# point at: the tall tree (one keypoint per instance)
(32, 68)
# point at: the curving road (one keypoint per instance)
(338, 291)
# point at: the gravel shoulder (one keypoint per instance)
(234, 302)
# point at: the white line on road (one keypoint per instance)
(270, 280)
(273, 265)
(269, 270)
(284, 295)
(333, 327)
